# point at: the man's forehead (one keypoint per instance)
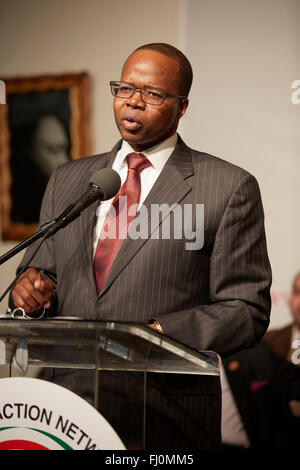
(153, 59)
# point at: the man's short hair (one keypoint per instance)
(185, 75)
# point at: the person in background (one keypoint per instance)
(258, 387)
(286, 340)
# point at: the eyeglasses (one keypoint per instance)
(149, 95)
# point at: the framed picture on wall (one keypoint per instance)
(44, 123)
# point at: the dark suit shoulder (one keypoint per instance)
(280, 339)
(69, 181)
(82, 163)
(216, 163)
(274, 334)
(77, 173)
(212, 162)
(224, 178)
(254, 356)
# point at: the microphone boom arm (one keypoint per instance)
(65, 218)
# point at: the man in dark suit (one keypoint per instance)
(286, 340)
(213, 297)
(258, 388)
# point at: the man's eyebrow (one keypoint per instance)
(145, 87)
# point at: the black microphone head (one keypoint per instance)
(108, 180)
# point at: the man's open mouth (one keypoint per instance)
(130, 124)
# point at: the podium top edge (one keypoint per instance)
(24, 328)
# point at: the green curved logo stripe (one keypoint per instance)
(56, 439)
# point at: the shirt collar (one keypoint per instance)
(157, 155)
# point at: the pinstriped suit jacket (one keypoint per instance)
(214, 298)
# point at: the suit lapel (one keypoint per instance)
(170, 188)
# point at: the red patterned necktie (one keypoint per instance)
(118, 219)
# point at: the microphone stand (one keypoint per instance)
(45, 231)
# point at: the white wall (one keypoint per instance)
(245, 56)
(57, 36)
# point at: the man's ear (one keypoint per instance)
(182, 107)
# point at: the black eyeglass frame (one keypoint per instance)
(135, 88)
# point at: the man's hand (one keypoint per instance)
(32, 291)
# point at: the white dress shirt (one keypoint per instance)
(232, 427)
(157, 155)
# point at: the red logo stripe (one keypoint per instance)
(20, 444)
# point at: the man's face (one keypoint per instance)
(295, 300)
(144, 125)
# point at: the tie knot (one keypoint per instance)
(137, 161)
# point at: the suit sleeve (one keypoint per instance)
(237, 315)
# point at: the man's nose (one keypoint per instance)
(136, 100)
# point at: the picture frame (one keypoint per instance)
(44, 123)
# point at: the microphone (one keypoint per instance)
(108, 181)
(104, 184)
